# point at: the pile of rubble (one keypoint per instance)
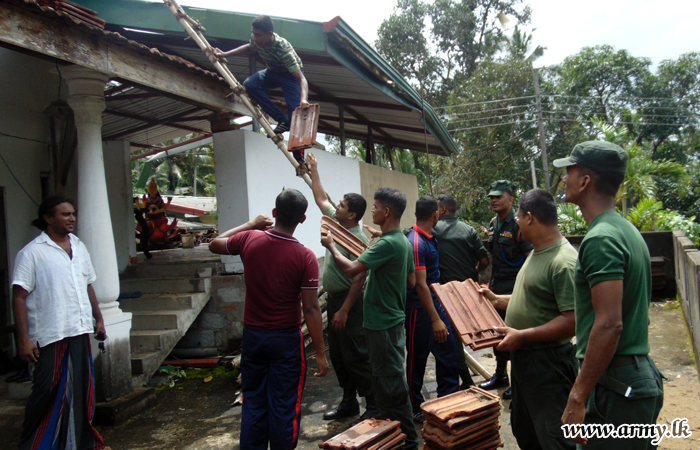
(369, 434)
(465, 419)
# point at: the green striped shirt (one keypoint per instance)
(279, 56)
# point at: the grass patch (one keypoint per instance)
(216, 372)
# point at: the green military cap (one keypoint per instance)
(597, 155)
(498, 187)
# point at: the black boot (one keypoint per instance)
(347, 407)
(371, 411)
(508, 394)
(497, 380)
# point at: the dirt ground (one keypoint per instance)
(195, 415)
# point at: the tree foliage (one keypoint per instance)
(445, 40)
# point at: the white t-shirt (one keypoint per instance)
(58, 305)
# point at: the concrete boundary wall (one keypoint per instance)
(687, 265)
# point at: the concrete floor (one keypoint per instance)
(195, 415)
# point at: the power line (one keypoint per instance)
(617, 96)
(639, 115)
(491, 110)
(483, 103)
(493, 125)
(486, 118)
(550, 119)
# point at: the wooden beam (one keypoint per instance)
(50, 36)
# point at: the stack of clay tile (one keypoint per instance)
(369, 434)
(463, 420)
(471, 312)
(78, 12)
(343, 237)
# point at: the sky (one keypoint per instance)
(658, 29)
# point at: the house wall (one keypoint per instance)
(250, 173)
(28, 88)
(374, 177)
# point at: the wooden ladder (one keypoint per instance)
(196, 30)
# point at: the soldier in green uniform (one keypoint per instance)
(539, 326)
(391, 272)
(462, 256)
(618, 382)
(346, 337)
(508, 253)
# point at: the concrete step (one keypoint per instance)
(165, 285)
(145, 363)
(157, 320)
(152, 340)
(158, 302)
(169, 269)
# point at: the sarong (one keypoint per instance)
(62, 403)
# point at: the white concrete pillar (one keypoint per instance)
(231, 186)
(121, 201)
(86, 98)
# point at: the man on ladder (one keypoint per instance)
(284, 70)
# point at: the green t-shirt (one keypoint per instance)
(613, 249)
(543, 289)
(460, 248)
(334, 280)
(389, 261)
(279, 56)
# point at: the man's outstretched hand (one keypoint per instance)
(311, 162)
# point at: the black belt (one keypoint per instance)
(623, 360)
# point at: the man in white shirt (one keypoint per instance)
(54, 306)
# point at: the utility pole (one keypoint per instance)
(534, 174)
(543, 143)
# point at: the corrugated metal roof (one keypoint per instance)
(340, 67)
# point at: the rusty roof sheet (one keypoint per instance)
(38, 7)
(343, 237)
(362, 435)
(460, 403)
(471, 313)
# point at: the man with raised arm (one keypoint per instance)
(462, 256)
(281, 281)
(539, 327)
(428, 329)
(284, 70)
(54, 305)
(391, 272)
(618, 382)
(346, 337)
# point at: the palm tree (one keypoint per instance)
(639, 182)
(520, 43)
